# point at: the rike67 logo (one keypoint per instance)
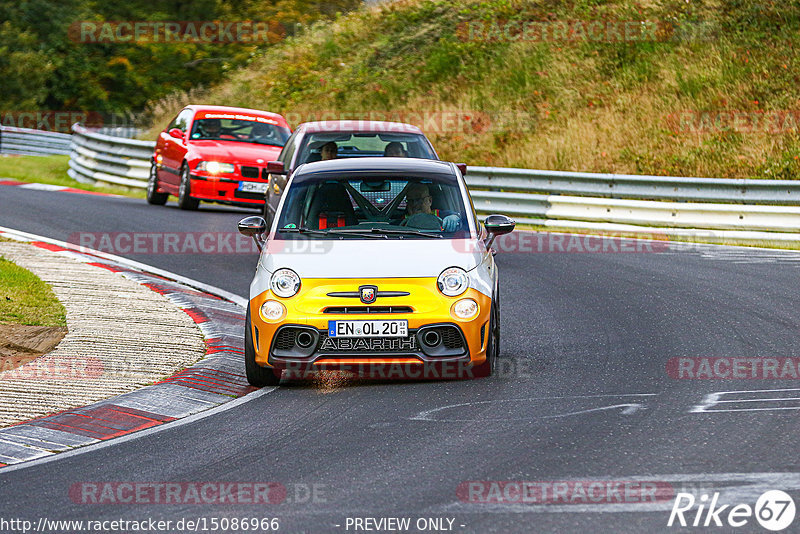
(774, 510)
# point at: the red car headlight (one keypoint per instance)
(215, 167)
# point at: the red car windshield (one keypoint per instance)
(240, 130)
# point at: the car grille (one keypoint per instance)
(344, 310)
(250, 172)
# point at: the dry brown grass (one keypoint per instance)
(603, 108)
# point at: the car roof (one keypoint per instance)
(380, 165)
(356, 125)
(231, 109)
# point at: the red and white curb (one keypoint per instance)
(215, 380)
(51, 187)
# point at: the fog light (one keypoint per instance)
(465, 309)
(272, 310)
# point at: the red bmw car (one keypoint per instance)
(216, 154)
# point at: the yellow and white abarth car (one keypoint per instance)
(374, 264)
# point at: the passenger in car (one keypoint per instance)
(329, 150)
(261, 133)
(395, 149)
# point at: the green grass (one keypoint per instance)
(580, 106)
(26, 299)
(52, 170)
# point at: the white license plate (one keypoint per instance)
(253, 187)
(367, 328)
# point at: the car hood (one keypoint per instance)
(372, 258)
(234, 152)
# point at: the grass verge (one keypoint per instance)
(25, 299)
(53, 170)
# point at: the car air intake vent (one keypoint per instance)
(285, 339)
(451, 338)
(442, 341)
(250, 172)
(368, 309)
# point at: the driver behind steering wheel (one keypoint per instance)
(418, 201)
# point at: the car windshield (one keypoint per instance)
(389, 208)
(244, 131)
(328, 145)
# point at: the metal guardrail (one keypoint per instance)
(758, 210)
(28, 142)
(631, 186)
(754, 210)
(96, 157)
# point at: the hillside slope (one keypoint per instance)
(670, 87)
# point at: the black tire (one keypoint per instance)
(256, 375)
(492, 344)
(497, 325)
(153, 196)
(185, 200)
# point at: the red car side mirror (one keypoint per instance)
(463, 168)
(176, 133)
(276, 167)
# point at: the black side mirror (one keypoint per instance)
(498, 225)
(254, 227)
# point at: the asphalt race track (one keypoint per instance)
(583, 394)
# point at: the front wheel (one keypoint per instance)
(185, 200)
(256, 375)
(153, 196)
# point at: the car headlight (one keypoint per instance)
(285, 283)
(215, 167)
(272, 310)
(465, 309)
(453, 281)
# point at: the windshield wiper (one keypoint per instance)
(355, 232)
(404, 231)
(303, 230)
(331, 231)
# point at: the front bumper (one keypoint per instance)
(213, 189)
(463, 342)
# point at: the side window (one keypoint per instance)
(288, 150)
(474, 214)
(182, 121)
(174, 122)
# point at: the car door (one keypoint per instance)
(174, 149)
